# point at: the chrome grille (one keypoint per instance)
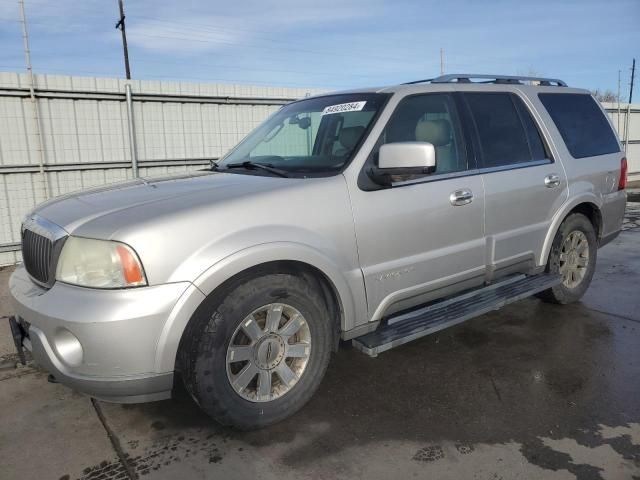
(36, 254)
(42, 242)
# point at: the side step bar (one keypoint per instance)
(405, 327)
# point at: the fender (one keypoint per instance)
(558, 218)
(349, 287)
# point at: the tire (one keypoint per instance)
(224, 320)
(575, 228)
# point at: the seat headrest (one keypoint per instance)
(350, 136)
(436, 132)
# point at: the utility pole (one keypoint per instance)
(618, 117)
(32, 95)
(128, 95)
(633, 73)
(121, 26)
(441, 61)
(626, 129)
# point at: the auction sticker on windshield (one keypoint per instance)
(344, 107)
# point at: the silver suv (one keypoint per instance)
(376, 216)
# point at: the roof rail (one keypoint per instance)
(504, 79)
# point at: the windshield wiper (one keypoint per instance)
(249, 165)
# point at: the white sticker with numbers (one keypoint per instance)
(344, 107)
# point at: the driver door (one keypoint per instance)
(422, 238)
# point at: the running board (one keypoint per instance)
(405, 327)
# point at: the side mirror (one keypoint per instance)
(403, 158)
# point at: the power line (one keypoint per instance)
(332, 54)
(200, 39)
(90, 12)
(217, 29)
(228, 66)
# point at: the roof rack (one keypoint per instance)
(502, 79)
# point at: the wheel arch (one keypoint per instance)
(339, 289)
(305, 270)
(589, 206)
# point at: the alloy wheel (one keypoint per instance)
(268, 352)
(574, 259)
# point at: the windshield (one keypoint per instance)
(314, 136)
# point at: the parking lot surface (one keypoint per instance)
(527, 392)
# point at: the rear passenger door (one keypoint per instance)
(524, 187)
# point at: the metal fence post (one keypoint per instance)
(34, 100)
(132, 131)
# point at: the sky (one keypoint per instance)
(329, 44)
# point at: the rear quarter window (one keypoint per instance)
(581, 123)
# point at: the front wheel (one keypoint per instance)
(573, 257)
(258, 354)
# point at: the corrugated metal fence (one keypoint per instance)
(84, 132)
(626, 120)
(78, 136)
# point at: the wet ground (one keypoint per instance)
(528, 392)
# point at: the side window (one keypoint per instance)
(429, 118)
(501, 130)
(538, 150)
(584, 128)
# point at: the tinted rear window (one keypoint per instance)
(583, 126)
(538, 151)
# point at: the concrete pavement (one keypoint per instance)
(530, 391)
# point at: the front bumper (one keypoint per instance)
(99, 342)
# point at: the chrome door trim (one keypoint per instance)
(515, 166)
(436, 177)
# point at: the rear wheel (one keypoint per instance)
(573, 257)
(257, 354)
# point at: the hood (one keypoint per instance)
(151, 197)
(181, 226)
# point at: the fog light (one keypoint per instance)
(68, 347)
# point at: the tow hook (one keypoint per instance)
(18, 334)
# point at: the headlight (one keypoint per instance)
(99, 264)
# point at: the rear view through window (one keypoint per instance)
(583, 126)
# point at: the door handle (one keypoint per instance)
(461, 197)
(552, 180)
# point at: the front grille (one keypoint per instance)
(36, 254)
